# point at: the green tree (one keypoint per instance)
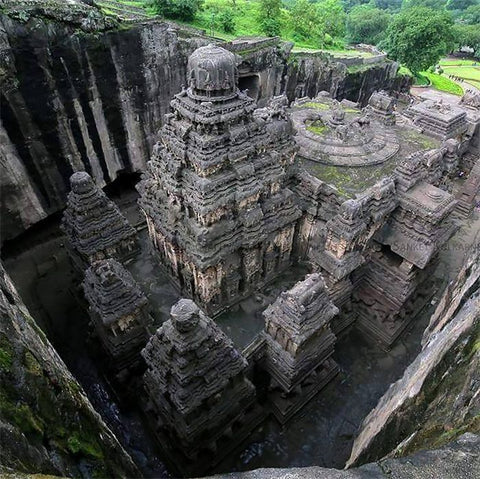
(471, 15)
(306, 22)
(460, 4)
(418, 37)
(367, 24)
(269, 17)
(227, 20)
(468, 36)
(391, 5)
(177, 9)
(433, 4)
(333, 17)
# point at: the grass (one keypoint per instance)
(421, 80)
(469, 73)
(318, 128)
(436, 81)
(443, 83)
(245, 14)
(317, 106)
(456, 62)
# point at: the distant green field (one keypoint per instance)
(468, 72)
(456, 61)
(443, 83)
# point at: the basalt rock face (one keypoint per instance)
(73, 100)
(459, 459)
(308, 74)
(47, 424)
(437, 399)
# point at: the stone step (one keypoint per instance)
(121, 11)
(125, 6)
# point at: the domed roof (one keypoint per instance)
(81, 182)
(212, 72)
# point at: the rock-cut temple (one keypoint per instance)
(363, 199)
(216, 194)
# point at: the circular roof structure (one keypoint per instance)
(333, 135)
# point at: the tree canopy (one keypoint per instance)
(367, 24)
(468, 36)
(269, 17)
(306, 22)
(177, 9)
(418, 37)
(333, 17)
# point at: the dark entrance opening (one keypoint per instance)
(250, 83)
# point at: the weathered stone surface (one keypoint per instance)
(216, 196)
(438, 119)
(200, 400)
(299, 345)
(375, 249)
(47, 424)
(437, 398)
(119, 311)
(94, 225)
(73, 100)
(457, 460)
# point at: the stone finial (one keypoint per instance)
(212, 70)
(185, 315)
(81, 182)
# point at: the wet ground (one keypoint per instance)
(321, 434)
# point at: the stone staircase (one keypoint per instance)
(466, 196)
(124, 11)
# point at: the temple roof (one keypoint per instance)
(191, 358)
(212, 71)
(93, 222)
(111, 291)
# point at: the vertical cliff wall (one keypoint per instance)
(47, 424)
(72, 100)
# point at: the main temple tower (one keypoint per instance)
(215, 194)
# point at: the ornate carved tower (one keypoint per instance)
(215, 195)
(201, 401)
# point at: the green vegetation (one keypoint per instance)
(420, 79)
(269, 17)
(455, 62)
(79, 444)
(437, 81)
(417, 33)
(177, 9)
(317, 127)
(463, 69)
(317, 106)
(468, 36)
(418, 37)
(367, 24)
